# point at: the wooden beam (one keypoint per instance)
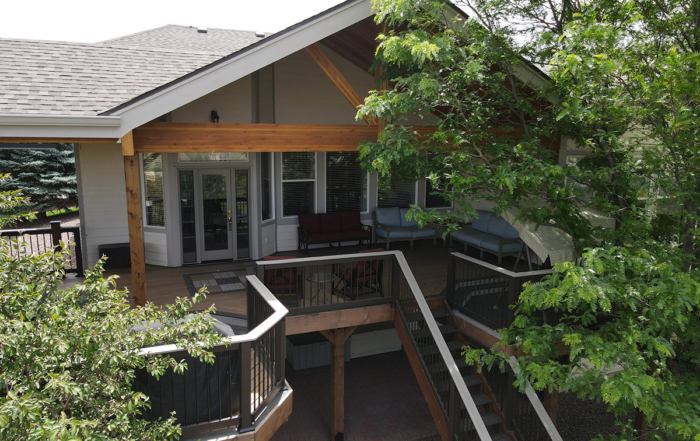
(423, 381)
(135, 220)
(62, 140)
(330, 336)
(338, 385)
(320, 321)
(128, 144)
(337, 78)
(348, 332)
(210, 137)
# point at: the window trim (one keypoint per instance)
(142, 182)
(314, 180)
(325, 193)
(272, 189)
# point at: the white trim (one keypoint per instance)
(242, 64)
(59, 126)
(272, 188)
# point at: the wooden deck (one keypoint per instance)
(164, 285)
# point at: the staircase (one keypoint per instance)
(434, 371)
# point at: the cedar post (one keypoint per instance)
(56, 235)
(337, 339)
(135, 219)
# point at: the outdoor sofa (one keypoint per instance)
(391, 225)
(332, 228)
(490, 233)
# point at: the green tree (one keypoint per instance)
(68, 357)
(46, 176)
(623, 85)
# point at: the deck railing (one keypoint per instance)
(233, 392)
(483, 291)
(35, 241)
(316, 284)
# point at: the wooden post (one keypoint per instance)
(641, 426)
(135, 218)
(337, 339)
(56, 235)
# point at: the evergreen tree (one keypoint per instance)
(46, 177)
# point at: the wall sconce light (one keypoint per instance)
(214, 116)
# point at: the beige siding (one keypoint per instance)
(231, 102)
(103, 204)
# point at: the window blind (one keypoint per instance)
(266, 170)
(346, 183)
(399, 194)
(298, 183)
(153, 189)
(435, 200)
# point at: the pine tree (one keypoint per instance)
(46, 176)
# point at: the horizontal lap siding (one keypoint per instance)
(103, 202)
(269, 240)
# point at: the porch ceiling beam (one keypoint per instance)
(337, 78)
(208, 137)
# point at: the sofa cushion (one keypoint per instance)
(310, 222)
(330, 223)
(497, 226)
(357, 234)
(491, 244)
(350, 220)
(419, 232)
(376, 250)
(395, 233)
(471, 236)
(481, 222)
(281, 279)
(337, 236)
(406, 223)
(388, 216)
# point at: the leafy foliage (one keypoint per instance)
(68, 356)
(622, 86)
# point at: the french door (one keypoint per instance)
(223, 224)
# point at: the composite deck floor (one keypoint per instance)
(164, 285)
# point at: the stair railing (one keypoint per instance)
(453, 393)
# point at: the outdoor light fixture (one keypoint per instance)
(214, 116)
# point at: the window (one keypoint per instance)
(186, 158)
(435, 200)
(153, 189)
(400, 193)
(266, 172)
(298, 183)
(346, 183)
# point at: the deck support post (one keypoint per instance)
(338, 338)
(135, 220)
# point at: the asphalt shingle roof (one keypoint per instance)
(44, 77)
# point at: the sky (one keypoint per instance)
(90, 21)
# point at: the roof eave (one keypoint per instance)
(59, 126)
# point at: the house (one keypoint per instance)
(203, 145)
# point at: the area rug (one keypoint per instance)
(217, 282)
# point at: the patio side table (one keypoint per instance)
(320, 279)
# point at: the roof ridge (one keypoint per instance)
(162, 49)
(133, 34)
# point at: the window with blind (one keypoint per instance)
(266, 172)
(298, 183)
(435, 200)
(153, 189)
(399, 194)
(346, 183)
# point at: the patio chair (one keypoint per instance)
(283, 282)
(355, 276)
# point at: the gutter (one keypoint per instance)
(59, 126)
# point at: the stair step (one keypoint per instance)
(500, 436)
(490, 419)
(452, 345)
(481, 399)
(418, 316)
(444, 330)
(472, 380)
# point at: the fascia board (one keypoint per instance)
(211, 79)
(59, 126)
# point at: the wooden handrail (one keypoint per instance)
(452, 368)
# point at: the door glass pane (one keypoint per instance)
(215, 212)
(189, 240)
(242, 218)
